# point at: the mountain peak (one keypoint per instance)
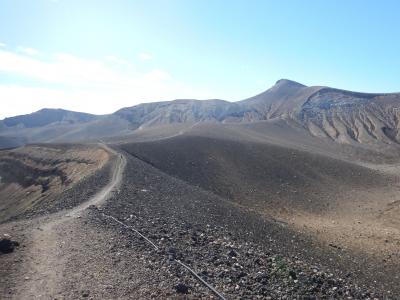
(287, 82)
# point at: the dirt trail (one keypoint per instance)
(46, 258)
(103, 194)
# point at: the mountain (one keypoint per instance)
(341, 116)
(177, 111)
(58, 125)
(284, 98)
(47, 116)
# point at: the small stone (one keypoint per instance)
(182, 288)
(293, 274)
(7, 245)
(232, 253)
(85, 294)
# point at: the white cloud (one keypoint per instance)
(145, 56)
(64, 69)
(29, 51)
(88, 85)
(117, 60)
(2, 45)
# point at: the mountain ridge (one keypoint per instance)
(46, 116)
(341, 116)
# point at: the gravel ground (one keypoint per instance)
(240, 254)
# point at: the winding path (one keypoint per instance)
(46, 257)
(102, 195)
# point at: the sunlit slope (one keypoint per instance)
(344, 117)
(256, 174)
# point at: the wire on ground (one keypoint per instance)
(205, 283)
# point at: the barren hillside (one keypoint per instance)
(345, 117)
(35, 176)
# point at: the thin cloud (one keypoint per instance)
(81, 84)
(63, 68)
(29, 51)
(145, 56)
(2, 45)
(117, 60)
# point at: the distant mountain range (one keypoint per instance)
(337, 115)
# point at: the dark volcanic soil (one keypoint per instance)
(240, 252)
(254, 173)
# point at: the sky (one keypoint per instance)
(98, 56)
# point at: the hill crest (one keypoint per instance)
(341, 116)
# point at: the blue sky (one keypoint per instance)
(98, 56)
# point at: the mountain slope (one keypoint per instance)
(350, 117)
(283, 99)
(54, 125)
(47, 116)
(177, 111)
(341, 116)
(345, 206)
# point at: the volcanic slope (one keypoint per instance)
(345, 117)
(340, 204)
(40, 177)
(87, 253)
(243, 250)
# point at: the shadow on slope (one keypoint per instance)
(154, 197)
(256, 174)
(339, 203)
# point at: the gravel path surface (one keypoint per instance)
(44, 255)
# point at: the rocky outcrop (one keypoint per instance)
(349, 117)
